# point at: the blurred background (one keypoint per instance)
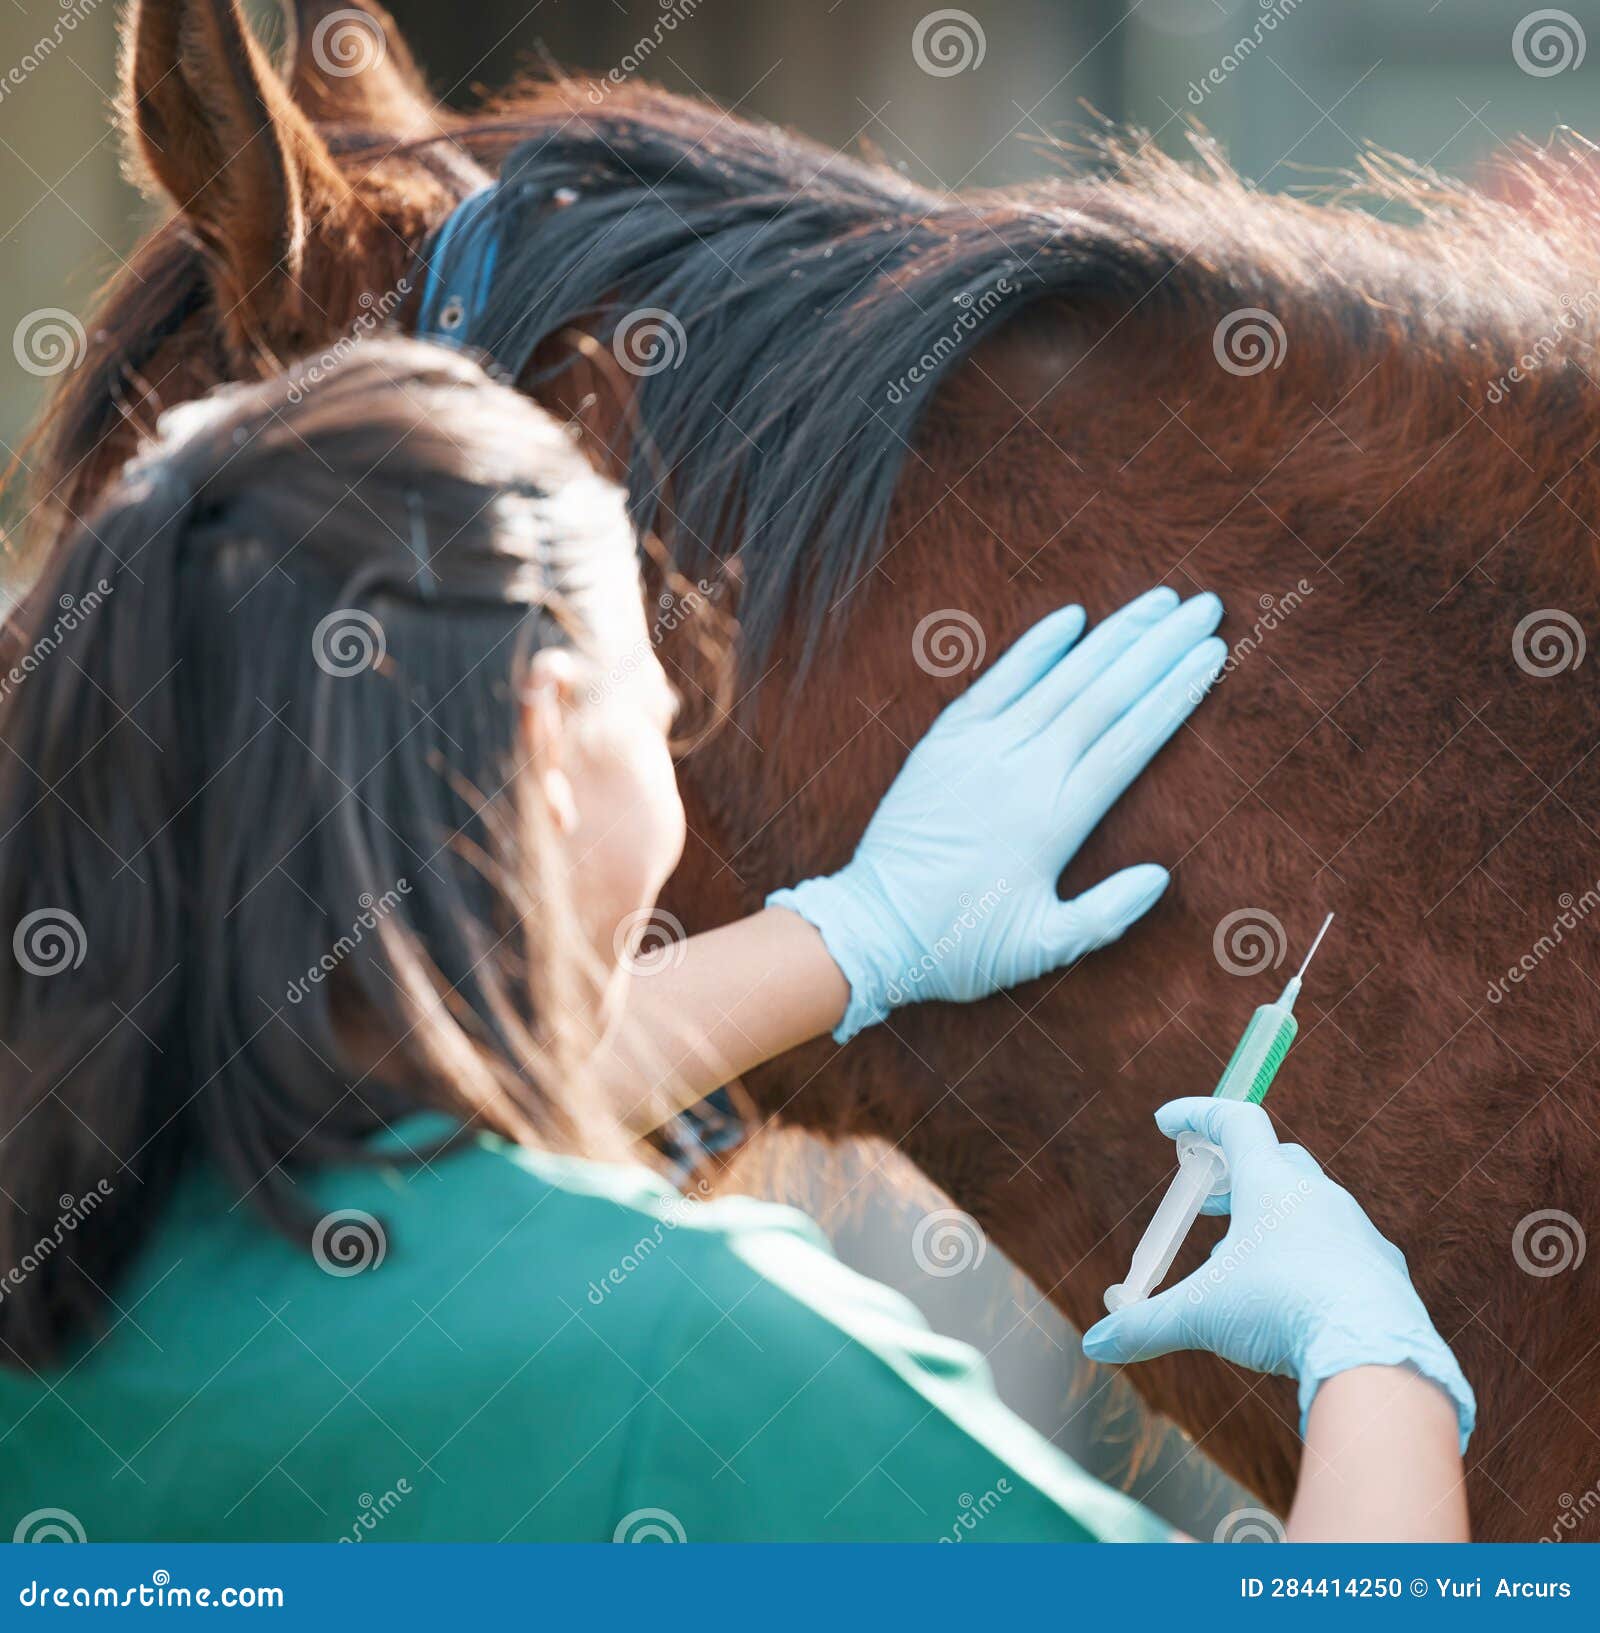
(1293, 89)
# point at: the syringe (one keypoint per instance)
(1202, 1168)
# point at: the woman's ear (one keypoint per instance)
(548, 699)
(216, 131)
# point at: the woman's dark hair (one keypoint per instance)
(269, 873)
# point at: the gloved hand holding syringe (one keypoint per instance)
(1202, 1168)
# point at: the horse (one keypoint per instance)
(892, 427)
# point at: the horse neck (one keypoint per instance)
(1378, 530)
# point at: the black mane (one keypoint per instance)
(821, 300)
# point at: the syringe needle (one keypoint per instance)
(1315, 943)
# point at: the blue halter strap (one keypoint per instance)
(459, 263)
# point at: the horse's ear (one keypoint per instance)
(348, 63)
(213, 126)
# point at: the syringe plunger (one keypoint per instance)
(1202, 1171)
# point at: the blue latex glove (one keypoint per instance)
(1302, 1284)
(952, 893)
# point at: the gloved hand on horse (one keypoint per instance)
(951, 893)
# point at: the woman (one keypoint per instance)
(325, 827)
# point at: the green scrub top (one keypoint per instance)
(546, 1350)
